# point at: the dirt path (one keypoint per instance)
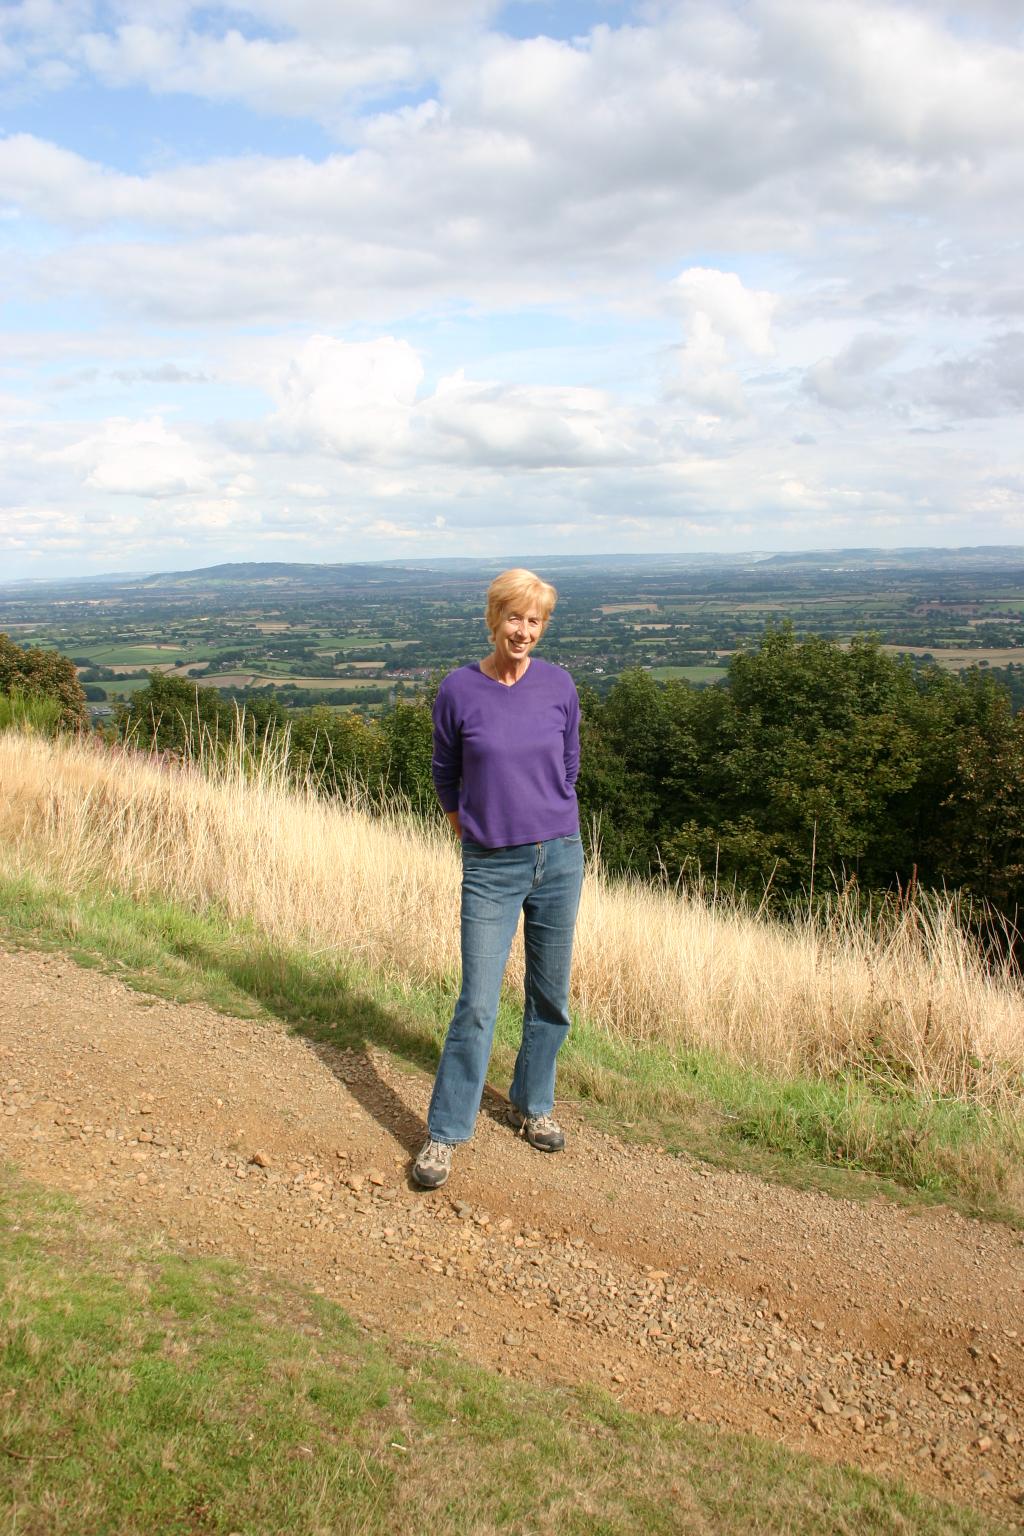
(860, 1333)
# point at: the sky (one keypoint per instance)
(332, 280)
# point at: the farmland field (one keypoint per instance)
(955, 659)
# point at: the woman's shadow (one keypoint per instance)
(340, 1021)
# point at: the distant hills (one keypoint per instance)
(300, 577)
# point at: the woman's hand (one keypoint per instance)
(456, 826)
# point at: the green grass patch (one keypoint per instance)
(150, 653)
(144, 1392)
(697, 674)
(357, 642)
(854, 1137)
(125, 685)
(140, 655)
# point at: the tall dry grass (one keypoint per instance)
(907, 995)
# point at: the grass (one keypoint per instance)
(29, 714)
(825, 1043)
(141, 1391)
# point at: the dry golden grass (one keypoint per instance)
(907, 995)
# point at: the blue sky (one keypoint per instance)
(312, 279)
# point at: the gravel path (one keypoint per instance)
(862, 1333)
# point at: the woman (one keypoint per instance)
(506, 755)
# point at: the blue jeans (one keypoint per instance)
(541, 880)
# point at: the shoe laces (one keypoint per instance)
(544, 1123)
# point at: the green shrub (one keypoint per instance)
(20, 712)
(41, 678)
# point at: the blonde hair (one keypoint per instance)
(516, 588)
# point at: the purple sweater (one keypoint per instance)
(507, 758)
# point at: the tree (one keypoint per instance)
(408, 734)
(971, 816)
(815, 758)
(171, 714)
(623, 763)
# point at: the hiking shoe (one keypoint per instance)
(433, 1165)
(541, 1131)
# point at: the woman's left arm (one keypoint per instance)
(572, 737)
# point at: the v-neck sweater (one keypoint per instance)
(506, 758)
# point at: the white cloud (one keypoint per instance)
(721, 317)
(329, 49)
(704, 375)
(55, 23)
(730, 309)
(293, 77)
(495, 424)
(350, 398)
(895, 76)
(139, 458)
(359, 401)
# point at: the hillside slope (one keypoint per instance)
(868, 1334)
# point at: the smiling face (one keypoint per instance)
(516, 634)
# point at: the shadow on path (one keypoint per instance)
(339, 1020)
